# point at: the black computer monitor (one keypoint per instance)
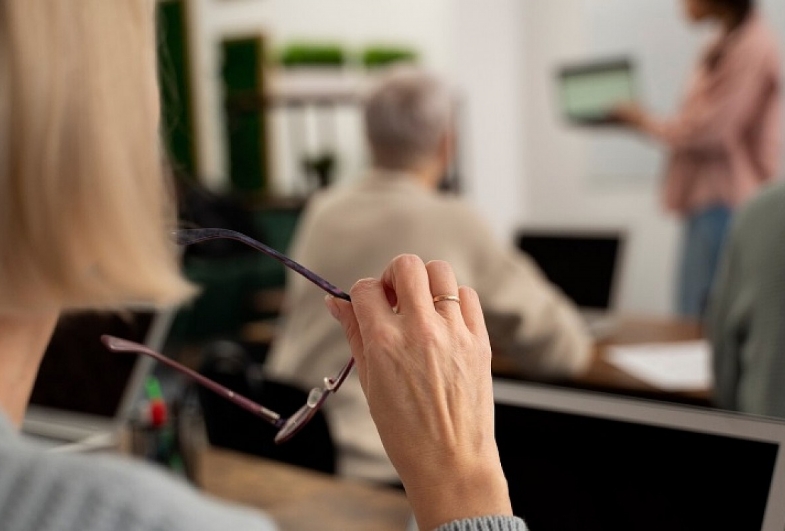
(585, 265)
(81, 388)
(588, 461)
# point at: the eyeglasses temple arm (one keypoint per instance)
(190, 236)
(115, 344)
(333, 384)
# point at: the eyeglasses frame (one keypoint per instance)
(287, 427)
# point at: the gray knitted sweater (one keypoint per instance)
(746, 317)
(44, 491)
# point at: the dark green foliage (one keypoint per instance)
(377, 56)
(246, 133)
(312, 54)
(176, 105)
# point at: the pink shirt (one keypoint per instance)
(725, 141)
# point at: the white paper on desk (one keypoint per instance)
(683, 366)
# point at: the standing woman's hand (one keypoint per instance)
(631, 115)
(425, 369)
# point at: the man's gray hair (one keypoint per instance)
(407, 115)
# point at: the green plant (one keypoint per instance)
(312, 54)
(378, 56)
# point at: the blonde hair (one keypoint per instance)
(84, 205)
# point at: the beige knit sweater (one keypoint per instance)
(353, 232)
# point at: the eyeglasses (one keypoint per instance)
(287, 427)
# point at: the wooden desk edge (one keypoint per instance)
(602, 375)
(297, 498)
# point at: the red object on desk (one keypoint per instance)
(158, 413)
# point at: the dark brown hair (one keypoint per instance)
(740, 8)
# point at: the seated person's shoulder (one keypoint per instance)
(90, 491)
(458, 210)
(337, 198)
(765, 209)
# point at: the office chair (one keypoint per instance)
(231, 427)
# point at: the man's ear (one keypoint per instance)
(447, 146)
(446, 155)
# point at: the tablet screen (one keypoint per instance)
(589, 92)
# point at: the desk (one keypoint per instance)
(299, 499)
(604, 376)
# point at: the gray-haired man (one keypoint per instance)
(352, 232)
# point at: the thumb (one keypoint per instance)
(343, 312)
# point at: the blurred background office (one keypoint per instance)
(263, 107)
(519, 161)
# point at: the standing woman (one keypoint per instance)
(725, 140)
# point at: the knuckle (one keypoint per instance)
(468, 293)
(407, 262)
(427, 336)
(363, 286)
(483, 346)
(440, 266)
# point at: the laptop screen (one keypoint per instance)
(596, 466)
(588, 92)
(78, 374)
(583, 265)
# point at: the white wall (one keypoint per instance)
(477, 48)
(521, 165)
(489, 70)
(585, 177)
(351, 23)
(562, 190)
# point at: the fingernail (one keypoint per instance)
(332, 307)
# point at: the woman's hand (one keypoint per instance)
(630, 114)
(425, 369)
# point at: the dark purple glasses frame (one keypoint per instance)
(287, 427)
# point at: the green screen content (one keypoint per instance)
(591, 95)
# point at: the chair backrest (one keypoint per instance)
(229, 426)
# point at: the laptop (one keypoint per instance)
(589, 91)
(83, 394)
(593, 461)
(585, 265)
